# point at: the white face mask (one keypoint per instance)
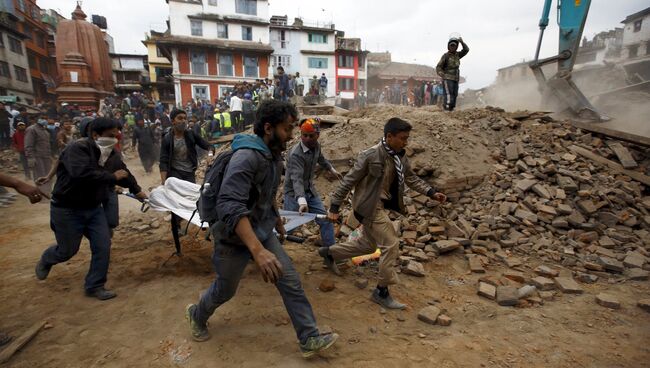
(105, 145)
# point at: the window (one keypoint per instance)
(250, 67)
(247, 33)
(317, 38)
(2, 40)
(246, 7)
(647, 48)
(346, 61)
(317, 63)
(21, 5)
(634, 51)
(21, 73)
(225, 65)
(4, 69)
(199, 66)
(212, 2)
(32, 61)
(637, 25)
(35, 12)
(362, 62)
(281, 60)
(222, 30)
(27, 30)
(159, 53)
(197, 27)
(200, 92)
(346, 84)
(44, 66)
(40, 40)
(283, 39)
(15, 45)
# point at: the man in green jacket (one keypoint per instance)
(449, 70)
(378, 179)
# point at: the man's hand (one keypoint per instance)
(440, 197)
(303, 209)
(121, 174)
(279, 227)
(334, 217)
(141, 196)
(336, 174)
(33, 193)
(269, 265)
(42, 180)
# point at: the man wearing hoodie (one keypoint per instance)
(83, 182)
(247, 216)
(378, 178)
(179, 158)
(38, 150)
(449, 70)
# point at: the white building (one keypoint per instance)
(636, 35)
(309, 49)
(216, 44)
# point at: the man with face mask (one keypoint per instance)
(179, 158)
(378, 178)
(38, 149)
(300, 193)
(448, 69)
(83, 183)
(246, 218)
(18, 143)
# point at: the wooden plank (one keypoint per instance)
(628, 137)
(17, 344)
(623, 155)
(223, 139)
(615, 167)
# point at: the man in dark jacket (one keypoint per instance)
(179, 158)
(448, 69)
(143, 138)
(247, 216)
(379, 178)
(76, 208)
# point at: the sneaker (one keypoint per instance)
(42, 270)
(328, 260)
(100, 293)
(316, 344)
(199, 332)
(388, 302)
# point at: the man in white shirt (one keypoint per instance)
(236, 111)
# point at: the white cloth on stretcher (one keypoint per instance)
(180, 196)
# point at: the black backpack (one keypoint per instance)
(206, 206)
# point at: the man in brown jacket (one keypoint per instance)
(38, 151)
(378, 179)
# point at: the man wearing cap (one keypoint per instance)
(38, 150)
(300, 193)
(449, 70)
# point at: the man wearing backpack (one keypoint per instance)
(300, 193)
(448, 69)
(179, 158)
(246, 217)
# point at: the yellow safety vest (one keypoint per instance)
(225, 122)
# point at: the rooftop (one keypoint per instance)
(215, 43)
(403, 71)
(637, 15)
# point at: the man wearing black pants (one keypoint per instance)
(179, 158)
(448, 69)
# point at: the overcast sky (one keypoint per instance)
(498, 32)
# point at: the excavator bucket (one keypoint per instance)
(570, 95)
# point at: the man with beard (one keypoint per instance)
(179, 158)
(247, 216)
(300, 193)
(76, 210)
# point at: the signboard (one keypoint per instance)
(10, 99)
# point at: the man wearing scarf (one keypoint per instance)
(378, 178)
(300, 193)
(83, 182)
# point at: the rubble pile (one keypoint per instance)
(554, 208)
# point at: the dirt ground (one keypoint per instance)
(144, 325)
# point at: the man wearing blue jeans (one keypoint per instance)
(247, 215)
(300, 193)
(82, 184)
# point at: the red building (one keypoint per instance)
(351, 70)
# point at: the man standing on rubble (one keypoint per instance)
(449, 70)
(299, 190)
(378, 178)
(246, 218)
(83, 182)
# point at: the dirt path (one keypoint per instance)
(144, 325)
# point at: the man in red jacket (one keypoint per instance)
(18, 143)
